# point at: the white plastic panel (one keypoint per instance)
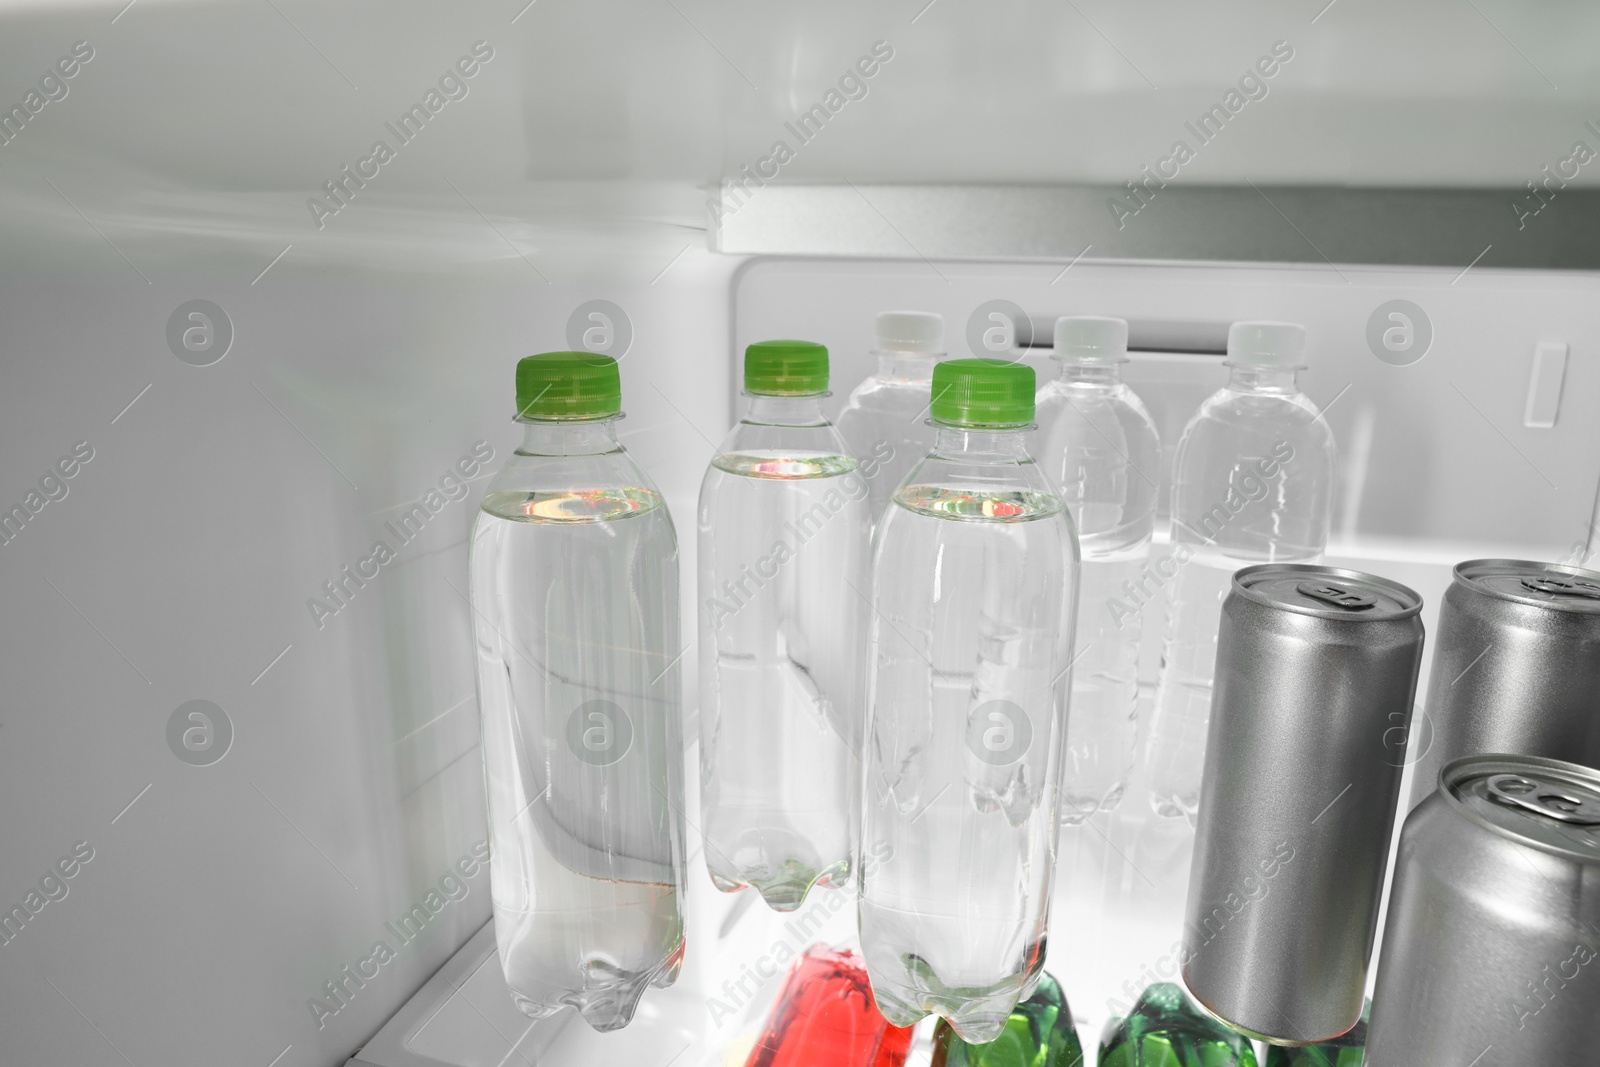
(462, 1017)
(1544, 385)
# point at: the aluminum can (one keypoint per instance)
(1491, 952)
(1516, 667)
(1314, 666)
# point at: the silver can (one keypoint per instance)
(1491, 953)
(1314, 666)
(1516, 667)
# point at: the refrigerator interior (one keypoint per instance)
(350, 382)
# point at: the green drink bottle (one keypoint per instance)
(1166, 1030)
(1038, 1034)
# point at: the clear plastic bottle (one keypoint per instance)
(1098, 444)
(574, 574)
(782, 589)
(975, 592)
(885, 421)
(1251, 483)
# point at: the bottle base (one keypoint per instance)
(671, 969)
(611, 1008)
(786, 889)
(609, 997)
(1175, 807)
(978, 1014)
(1079, 808)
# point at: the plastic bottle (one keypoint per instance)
(885, 421)
(1165, 1029)
(974, 594)
(574, 575)
(825, 1018)
(1251, 484)
(1039, 1033)
(1098, 444)
(783, 600)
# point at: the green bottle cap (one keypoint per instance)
(983, 394)
(568, 385)
(786, 368)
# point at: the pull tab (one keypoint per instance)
(1563, 587)
(1545, 798)
(1337, 595)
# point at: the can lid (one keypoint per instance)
(1544, 802)
(1546, 585)
(1327, 592)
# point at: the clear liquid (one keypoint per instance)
(783, 557)
(1252, 484)
(1103, 727)
(576, 618)
(1177, 743)
(974, 594)
(886, 426)
(1097, 441)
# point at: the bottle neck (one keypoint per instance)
(1253, 379)
(1104, 375)
(983, 446)
(785, 411)
(569, 437)
(906, 366)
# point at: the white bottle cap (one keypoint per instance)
(920, 332)
(1266, 344)
(1091, 339)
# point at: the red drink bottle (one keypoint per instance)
(826, 1015)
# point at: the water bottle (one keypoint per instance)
(974, 597)
(574, 574)
(1098, 444)
(783, 587)
(885, 421)
(1251, 484)
(1040, 1033)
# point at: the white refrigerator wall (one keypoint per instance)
(233, 876)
